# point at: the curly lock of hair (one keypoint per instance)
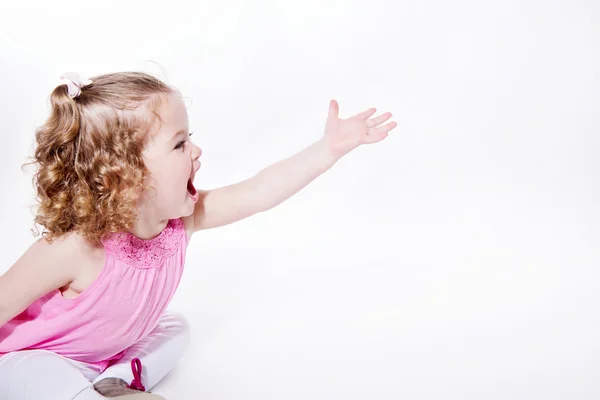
(89, 155)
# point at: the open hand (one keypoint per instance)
(344, 135)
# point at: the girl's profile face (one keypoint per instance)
(172, 160)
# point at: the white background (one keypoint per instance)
(457, 259)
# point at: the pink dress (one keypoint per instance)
(118, 309)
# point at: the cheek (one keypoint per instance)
(162, 181)
(170, 175)
(176, 176)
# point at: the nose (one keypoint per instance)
(196, 152)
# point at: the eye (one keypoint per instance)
(181, 143)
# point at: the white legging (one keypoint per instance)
(37, 374)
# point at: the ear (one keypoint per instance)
(136, 192)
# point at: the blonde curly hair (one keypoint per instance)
(89, 155)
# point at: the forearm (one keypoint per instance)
(280, 181)
(263, 191)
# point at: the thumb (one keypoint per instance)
(334, 109)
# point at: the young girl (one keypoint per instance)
(82, 312)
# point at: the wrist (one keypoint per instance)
(330, 153)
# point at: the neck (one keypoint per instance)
(147, 228)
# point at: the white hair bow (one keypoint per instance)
(75, 83)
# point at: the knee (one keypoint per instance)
(176, 323)
(39, 361)
(37, 372)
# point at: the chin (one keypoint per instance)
(187, 210)
(187, 214)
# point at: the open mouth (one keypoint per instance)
(190, 187)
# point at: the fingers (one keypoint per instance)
(383, 129)
(373, 122)
(366, 114)
(334, 109)
(379, 133)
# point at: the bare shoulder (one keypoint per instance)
(65, 258)
(65, 247)
(43, 267)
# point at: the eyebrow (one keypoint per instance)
(175, 136)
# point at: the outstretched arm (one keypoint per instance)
(281, 180)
